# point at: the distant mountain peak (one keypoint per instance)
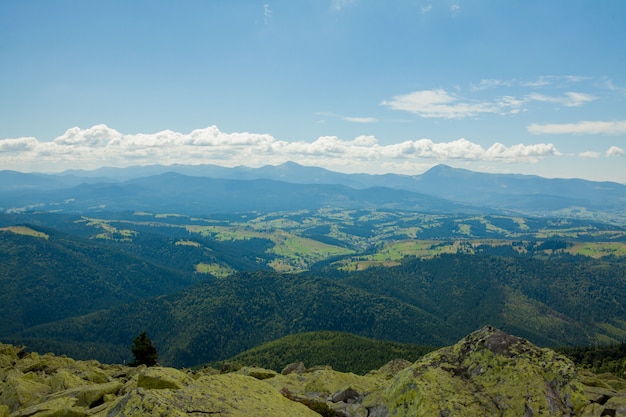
(443, 170)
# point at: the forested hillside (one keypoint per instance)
(47, 276)
(209, 287)
(432, 302)
(550, 301)
(343, 352)
(217, 319)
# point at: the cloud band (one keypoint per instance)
(103, 146)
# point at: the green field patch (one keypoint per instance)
(294, 253)
(392, 253)
(187, 243)
(216, 270)
(26, 231)
(143, 213)
(571, 232)
(465, 229)
(602, 339)
(598, 249)
(109, 231)
(298, 253)
(613, 330)
(228, 233)
(521, 222)
(522, 311)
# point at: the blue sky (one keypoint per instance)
(532, 87)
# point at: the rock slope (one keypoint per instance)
(488, 373)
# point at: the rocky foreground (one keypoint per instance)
(488, 373)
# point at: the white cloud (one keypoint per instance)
(520, 153)
(608, 84)
(490, 83)
(102, 146)
(341, 4)
(351, 119)
(360, 119)
(95, 136)
(615, 151)
(541, 81)
(440, 104)
(589, 154)
(426, 9)
(17, 145)
(560, 80)
(571, 99)
(267, 12)
(580, 128)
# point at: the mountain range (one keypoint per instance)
(90, 259)
(206, 189)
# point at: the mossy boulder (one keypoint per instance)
(487, 373)
(89, 395)
(22, 392)
(228, 394)
(59, 407)
(343, 393)
(256, 372)
(162, 378)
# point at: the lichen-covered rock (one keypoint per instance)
(487, 373)
(615, 406)
(256, 372)
(321, 384)
(59, 407)
(297, 367)
(324, 383)
(90, 394)
(47, 363)
(22, 392)
(391, 368)
(228, 394)
(162, 378)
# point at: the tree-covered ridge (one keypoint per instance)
(600, 359)
(343, 352)
(48, 279)
(545, 300)
(217, 319)
(429, 302)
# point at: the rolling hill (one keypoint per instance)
(343, 352)
(47, 276)
(428, 302)
(217, 319)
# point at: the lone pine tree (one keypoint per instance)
(143, 351)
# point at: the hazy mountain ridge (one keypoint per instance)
(290, 186)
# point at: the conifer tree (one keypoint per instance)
(143, 351)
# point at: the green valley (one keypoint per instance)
(208, 288)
